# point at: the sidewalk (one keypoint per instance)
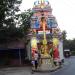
(27, 70)
(16, 71)
(20, 71)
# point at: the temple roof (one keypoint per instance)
(42, 4)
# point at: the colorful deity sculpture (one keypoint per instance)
(45, 27)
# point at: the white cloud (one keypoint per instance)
(63, 10)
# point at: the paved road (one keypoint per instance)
(68, 69)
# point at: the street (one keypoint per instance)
(67, 69)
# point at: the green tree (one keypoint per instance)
(8, 9)
(25, 24)
(26, 21)
(64, 35)
(72, 45)
(68, 44)
(65, 45)
(8, 18)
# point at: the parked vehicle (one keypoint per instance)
(67, 53)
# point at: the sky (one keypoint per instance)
(63, 10)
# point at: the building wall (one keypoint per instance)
(28, 47)
(61, 49)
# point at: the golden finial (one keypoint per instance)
(41, 1)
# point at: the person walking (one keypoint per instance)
(39, 59)
(36, 59)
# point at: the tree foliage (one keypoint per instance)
(26, 20)
(8, 9)
(8, 19)
(67, 43)
(64, 35)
